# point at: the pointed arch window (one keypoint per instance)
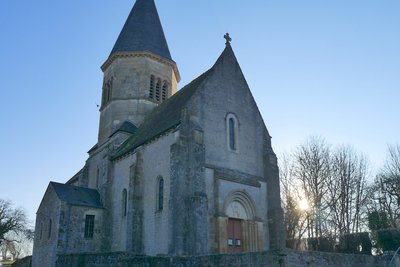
(232, 132)
(160, 193)
(124, 202)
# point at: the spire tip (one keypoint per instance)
(228, 39)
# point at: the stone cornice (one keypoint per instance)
(236, 176)
(165, 61)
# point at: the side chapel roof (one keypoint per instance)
(76, 195)
(168, 115)
(143, 31)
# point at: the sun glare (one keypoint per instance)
(303, 204)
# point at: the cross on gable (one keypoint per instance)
(227, 38)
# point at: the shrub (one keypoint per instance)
(356, 243)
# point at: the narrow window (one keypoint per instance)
(107, 92)
(160, 204)
(124, 202)
(103, 98)
(151, 93)
(158, 88)
(89, 226)
(50, 225)
(109, 88)
(97, 177)
(232, 141)
(164, 91)
(232, 132)
(41, 231)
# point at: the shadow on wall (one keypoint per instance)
(24, 262)
(287, 258)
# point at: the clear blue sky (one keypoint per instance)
(329, 68)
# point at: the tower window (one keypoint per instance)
(164, 91)
(160, 194)
(124, 202)
(151, 93)
(158, 88)
(89, 226)
(109, 89)
(232, 132)
(107, 92)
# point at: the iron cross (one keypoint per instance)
(227, 38)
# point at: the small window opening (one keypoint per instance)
(107, 92)
(151, 93)
(124, 202)
(232, 137)
(158, 88)
(50, 225)
(160, 204)
(41, 231)
(164, 91)
(97, 177)
(89, 226)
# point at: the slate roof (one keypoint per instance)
(168, 115)
(126, 127)
(76, 195)
(143, 31)
(163, 118)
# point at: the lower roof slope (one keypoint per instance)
(76, 195)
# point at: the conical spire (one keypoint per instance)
(143, 31)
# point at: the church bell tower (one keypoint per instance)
(139, 73)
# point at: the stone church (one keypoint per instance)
(188, 172)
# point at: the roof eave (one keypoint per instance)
(122, 154)
(147, 54)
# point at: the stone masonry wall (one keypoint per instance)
(256, 259)
(316, 259)
(46, 230)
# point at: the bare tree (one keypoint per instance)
(385, 192)
(346, 196)
(312, 160)
(295, 217)
(18, 245)
(12, 220)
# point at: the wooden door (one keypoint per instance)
(235, 242)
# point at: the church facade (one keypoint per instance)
(188, 172)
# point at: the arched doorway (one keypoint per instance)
(239, 230)
(236, 216)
